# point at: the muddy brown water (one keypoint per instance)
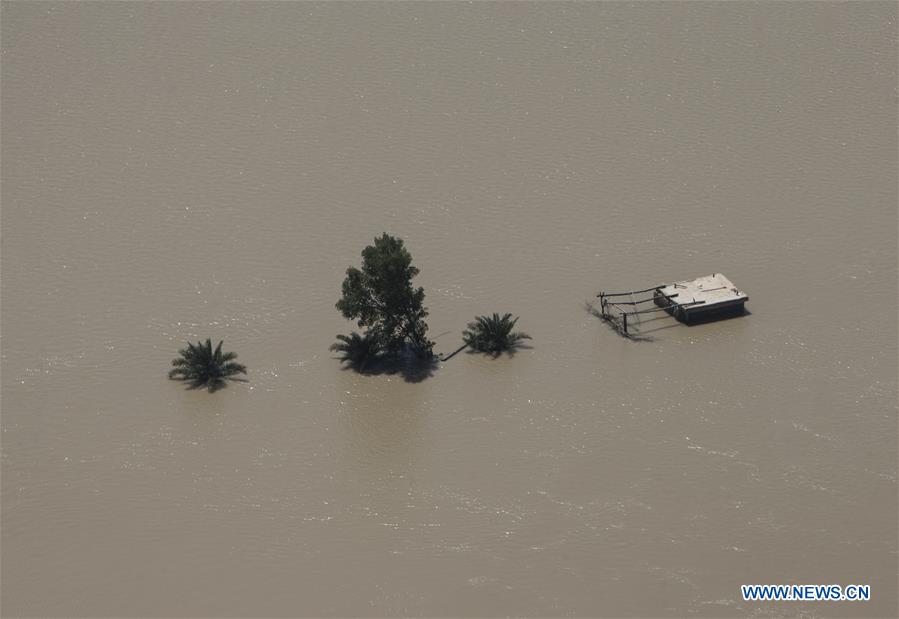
(173, 171)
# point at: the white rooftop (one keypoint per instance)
(712, 289)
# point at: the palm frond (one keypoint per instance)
(230, 369)
(357, 350)
(493, 334)
(203, 367)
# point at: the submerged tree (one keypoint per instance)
(380, 296)
(356, 350)
(493, 334)
(203, 367)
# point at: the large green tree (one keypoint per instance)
(380, 297)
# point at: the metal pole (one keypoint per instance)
(624, 294)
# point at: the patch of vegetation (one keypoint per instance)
(381, 298)
(493, 334)
(201, 366)
(357, 351)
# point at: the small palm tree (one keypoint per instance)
(203, 367)
(493, 334)
(357, 350)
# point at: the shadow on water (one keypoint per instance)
(638, 334)
(632, 336)
(211, 385)
(509, 352)
(660, 316)
(411, 368)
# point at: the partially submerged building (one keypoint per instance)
(698, 300)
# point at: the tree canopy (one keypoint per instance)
(380, 297)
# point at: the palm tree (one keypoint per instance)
(203, 367)
(357, 350)
(493, 334)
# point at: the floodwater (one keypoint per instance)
(175, 171)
